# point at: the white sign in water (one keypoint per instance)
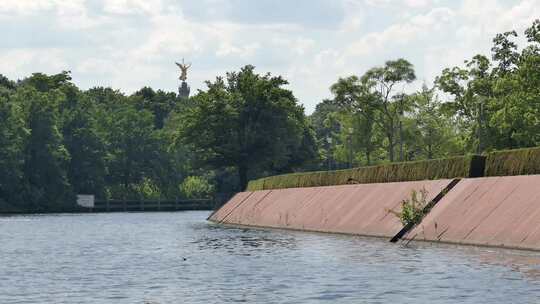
(85, 200)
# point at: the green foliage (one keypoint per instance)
(497, 103)
(46, 157)
(132, 141)
(429, 133)
(412, 209)
(464, 166)
(146, 189)
(159, 103)
(249, 122)
(86, 170)
(13, 135)
(196, 187)
(57, 141)
(513, 162)
(386, 106)
(490, 103)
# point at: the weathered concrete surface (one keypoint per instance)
(491, 211)
(226, 209)
(354, 209)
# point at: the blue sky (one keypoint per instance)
(128, 44)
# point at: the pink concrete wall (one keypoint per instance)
(233, 203)
(493, 211)
(355, 209)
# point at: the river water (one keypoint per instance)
(181, 258)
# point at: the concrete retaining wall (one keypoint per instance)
(489, 211)
(492, 211)
(354, 209)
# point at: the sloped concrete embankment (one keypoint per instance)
(488, 211)
(360, 209)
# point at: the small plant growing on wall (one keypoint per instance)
(412, 209)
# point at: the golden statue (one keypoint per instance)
(183, 67)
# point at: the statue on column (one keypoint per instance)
(183, 90)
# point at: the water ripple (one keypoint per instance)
(162, 258)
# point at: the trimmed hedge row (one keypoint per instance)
(500, 163)
(463, 166)
(513, 162)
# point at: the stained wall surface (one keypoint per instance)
(354, 209)
(492, 211)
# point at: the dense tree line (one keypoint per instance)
(57, 140)
(490, 103)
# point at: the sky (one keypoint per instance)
(129, 44)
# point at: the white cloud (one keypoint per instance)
(19, 63)
(33, 7)
(127, 7)
(127, 44)
(407, 3)
(25, 7)
(354, 16)
(401, 33)
(418, 3)
(226, 49)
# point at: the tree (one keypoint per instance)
(355, 97)
(86, 170)
(131, 145)
(13, 135)
(159, 103)
(196, 187)
(436, 136)
(44, 83)
(497, 102)
(6, 86)
(517, 115)
(246, 121)
(472, 88)
(505, 52)
(373, 97)
(382, 82)
(45, 179)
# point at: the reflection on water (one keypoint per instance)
(181, 258)
(525, 262)
(242, 240)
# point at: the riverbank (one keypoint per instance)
(500, 211)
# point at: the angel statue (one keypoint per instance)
(183, 67)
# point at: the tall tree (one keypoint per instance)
(247, 121)
(132, 147)
(13, 135)
(517, 113)
(86, 171)
(159, 103)
(353, 94)
(436, 136)
(472, 89)
(382, 82)
(46, 158)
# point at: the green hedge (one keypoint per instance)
(463, 166)
(513, 162)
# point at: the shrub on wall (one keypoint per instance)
(513, 162)
(463, 166)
